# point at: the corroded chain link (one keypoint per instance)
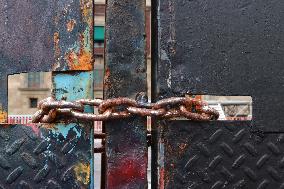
(51, 111)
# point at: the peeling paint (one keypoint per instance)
(80, 61)
(62, 129)
(73, 47)
(79, 57)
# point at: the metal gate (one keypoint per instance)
(220, 47)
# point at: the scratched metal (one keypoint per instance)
(73, 86)
(225, 47)
(125, 76)
(222, 47)
(43, 36)
(36, 156)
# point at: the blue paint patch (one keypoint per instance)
(63, 130)
(74, 86)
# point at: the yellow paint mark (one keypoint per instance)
(3, 116)
(70, 25)
(82, 173)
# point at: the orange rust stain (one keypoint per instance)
(82, 173)
(107, 83)
(56, 39)
(81, 61)
(3, 116)
(162, 179)
(182, 146)
(70, 25)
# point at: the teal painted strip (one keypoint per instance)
(73, 86)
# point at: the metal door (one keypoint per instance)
(221, 47)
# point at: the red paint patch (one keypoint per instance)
(162, 179)
(128, 170)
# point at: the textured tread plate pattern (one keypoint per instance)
(33, 157)
(222, 155)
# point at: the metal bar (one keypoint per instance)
(73, 86)
(154, 92)
(125, 76)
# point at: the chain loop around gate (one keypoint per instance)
(51, 111)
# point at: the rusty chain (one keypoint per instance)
(51, 111)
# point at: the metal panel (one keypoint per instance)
(54, 155)
(125, 76)
(220, 47)
(222, 155)
(224, 47)
(43, 36)
(37, 156)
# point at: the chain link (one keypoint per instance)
(51, 111)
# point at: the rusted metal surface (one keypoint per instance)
(125, 76)
(43, 36)
(51, 111)
(219, 48)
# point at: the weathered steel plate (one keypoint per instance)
(224, 47)
(126, 144)
(221, 155)
(39, 156)
(43, 36)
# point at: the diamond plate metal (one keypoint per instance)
(221, 155)
(44, 157)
